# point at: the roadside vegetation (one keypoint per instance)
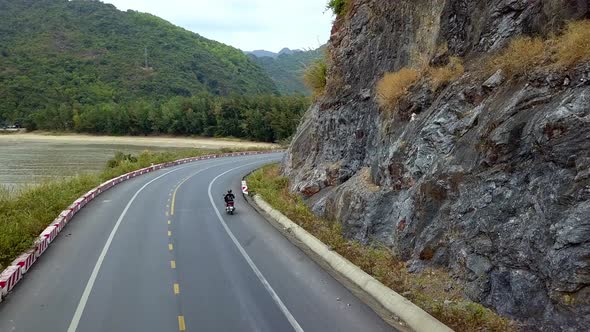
(26, 213)
(432, 290)
(525, 54)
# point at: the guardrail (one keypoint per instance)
(20, 266)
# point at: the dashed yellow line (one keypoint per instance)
(181, 324)
(176, 289)
(170, 247)
(169, 233)
(169, 222)
(173, 264)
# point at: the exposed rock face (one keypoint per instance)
(490, 176)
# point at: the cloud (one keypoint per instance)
(246, 24)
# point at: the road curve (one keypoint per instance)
(158, 253)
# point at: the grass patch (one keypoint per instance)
(315, 77)
(432, 290)
(339, 7)
(522, 55)
(440, 76)
(574, 45)
(26, 213)
(525, 54)
(393, 86)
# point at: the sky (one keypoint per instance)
(246, 24)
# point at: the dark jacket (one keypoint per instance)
(229, 197)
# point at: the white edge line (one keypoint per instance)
(263, 280)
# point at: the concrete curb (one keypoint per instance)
(16, 270)
(392, 307)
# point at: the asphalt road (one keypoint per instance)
(158, 253)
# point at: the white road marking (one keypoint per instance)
(263, 280)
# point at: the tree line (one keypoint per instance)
(266, 118)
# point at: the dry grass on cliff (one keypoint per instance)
(315, 77)
(393, 86)
(526, 54)
(522, 55)
(432, 290)
(574, 45)
(440, 76)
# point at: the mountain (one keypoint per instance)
(269, 54)
(287, 51)
(55, 52)
(263, 53)
(457, 133)
(286, 69)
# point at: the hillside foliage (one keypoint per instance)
(59, 56)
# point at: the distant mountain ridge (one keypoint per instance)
(270, 54)
(286, 67)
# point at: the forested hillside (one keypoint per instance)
(286, 69)
(60, 60)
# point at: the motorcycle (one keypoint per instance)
(230, 207)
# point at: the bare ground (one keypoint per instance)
(157, 141)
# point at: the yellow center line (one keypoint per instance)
(174, 195)
(169, 222)
(172, 204)
(173, 264)
(176, 289)
(169, 233)
(170, 247)
(181, 325)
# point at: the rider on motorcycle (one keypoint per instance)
(229, 197)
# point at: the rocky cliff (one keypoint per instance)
(488, 176)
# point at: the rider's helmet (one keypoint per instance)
(229, 191)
